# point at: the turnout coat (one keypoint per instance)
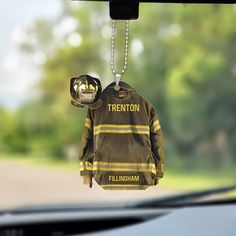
(122, 141)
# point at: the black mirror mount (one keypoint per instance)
(124, 9)
(129, 9)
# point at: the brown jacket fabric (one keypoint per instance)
(122, 142)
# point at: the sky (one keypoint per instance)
(17, 75)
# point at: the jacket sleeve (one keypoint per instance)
(86, 147)
(157, 142)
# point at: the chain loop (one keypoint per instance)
(118, 74)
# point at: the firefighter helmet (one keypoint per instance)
(85, 90)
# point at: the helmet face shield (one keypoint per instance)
(85, 89)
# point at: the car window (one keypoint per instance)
(181, 60)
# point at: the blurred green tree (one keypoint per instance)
(182, 60)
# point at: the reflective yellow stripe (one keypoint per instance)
(122, 163)
(109, 166)
(129, 167)
(121, 126)
(121, 129)
(156, 125)
(124, 169)
(88, 123)
(85, 166)
(121, 132)
(123, 187)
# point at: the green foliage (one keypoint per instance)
(186, 69)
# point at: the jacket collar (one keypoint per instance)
(122, 84)
(112, 93)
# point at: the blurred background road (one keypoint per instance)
(22, 184)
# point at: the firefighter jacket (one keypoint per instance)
(122, 141)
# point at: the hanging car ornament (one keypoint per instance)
(85, 90)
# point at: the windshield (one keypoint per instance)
(181, 59)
